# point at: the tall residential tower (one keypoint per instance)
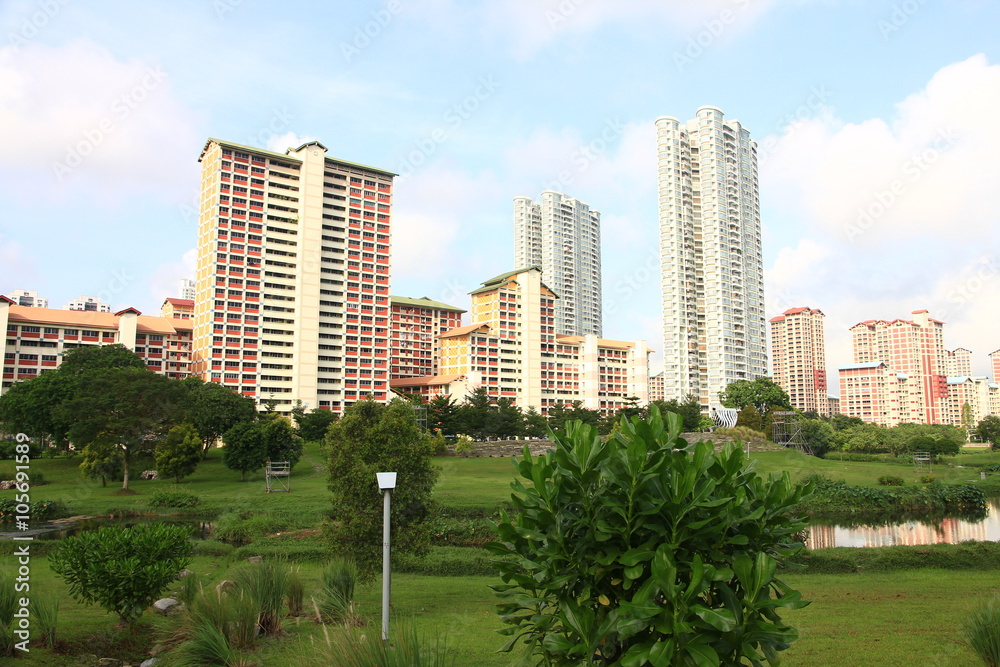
(562, 236)
(712, 283)
(293, 275)
(798, 358)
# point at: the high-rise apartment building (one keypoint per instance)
(512, 351)
(562, 236)
(712, 283)
(995, 365)
(90, 304)
(415, 327)
(656, 387)
(912, 374)
(28, 298)
(187, 289)
(958, 362)
(798, 358)
(293, 275)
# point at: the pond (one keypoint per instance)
(914, 532)
(57, 530)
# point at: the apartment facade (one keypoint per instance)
(90, 304)
(958, 362)
(415, 326)
(177, 308)
(37, 338)
(512, 351)
(293, 275)
(798, 358)
(562, 236)
(712, 287)
(30, 298)
(657, 388)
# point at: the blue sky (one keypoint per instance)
(879, 147)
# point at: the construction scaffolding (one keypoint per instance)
(786, 430)
(278, 476)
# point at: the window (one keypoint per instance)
(89, 333)
(51, 330)
(27, 329)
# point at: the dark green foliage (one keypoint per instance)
(39, 510)
(124, 570)
(840, 422)
(890, 480)
(535, 424)
(127, 408)
(313, 425)
(461, 531)
(442, 415)
(213, 409)
(372, 438)
(833, 498)
(212, 548)
(474, 414)
(761, 393)
(817, 434)
(177, 499)
(559, 415)
(451, 562)
(988, 430)
(280, 441)
(336, 593)
(266, 584)
(103, 461)
(842, 560)
(689, 410)
(244, 449)
(89, 358)
(243, 527)
(291, 550)
(869, 439)
(177, 455)
(8, 450)
(646, 550)
(750, 418)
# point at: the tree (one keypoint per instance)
(101, 461)
(244, 450)
(313, 425)
(178, 454)
(988, 430)
(841, 422)
(370, 438)
(689, 410)
(89, 358)
(589, 579)
(280, 441)
(759, 393)
(505, 419)
(129, 408)
(817, 434)
(213, 409)
(535, 425)
(122, 569)
(968, 421)
(30, 406)
(750, 417)
(474, 414)
(442, 415)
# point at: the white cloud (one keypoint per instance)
(75, 119)
(164, 280)
(281, 143)
(897, 213)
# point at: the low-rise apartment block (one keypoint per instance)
(415, 327)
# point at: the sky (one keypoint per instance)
(875, 122)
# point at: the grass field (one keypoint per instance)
(894, 618)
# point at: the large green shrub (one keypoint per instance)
(123, 570)
(178, 454)
(646, 550)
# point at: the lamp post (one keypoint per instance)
(386, 482)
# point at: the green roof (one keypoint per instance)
(495, 281)
(423, 302)
(284, 156)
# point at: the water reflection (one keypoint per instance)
(55, 530)
(938, 531)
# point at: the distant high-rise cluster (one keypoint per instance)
(711, 261)
(562, 236)
(91, 304)
(28, 298)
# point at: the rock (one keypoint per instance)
(149, 474)
(166, 605)
(152, 662)
(184, 573)
(7, 484)
(225, 585)
(254, 559)
(110, 662)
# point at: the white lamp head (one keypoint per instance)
(386, 480)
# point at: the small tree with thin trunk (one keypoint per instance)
(178, 454)
(245, 449)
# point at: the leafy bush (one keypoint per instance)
(461, 531)
(593, 576)
(173, 499)
(838, 498)
(890, 480)
(38, 510)
(742, 433)
(926, 479)
(245, 527)
(8, 449)
(841, 560)
(122, 569)
(463, 446)
(178, 454)
(981, 631)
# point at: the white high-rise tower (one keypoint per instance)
(562, 236)
(712, 283)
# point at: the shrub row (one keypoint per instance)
(452, 531)
(964, 556)
(450, 562)
(38, 510)
(173, 499)
(839, 498)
